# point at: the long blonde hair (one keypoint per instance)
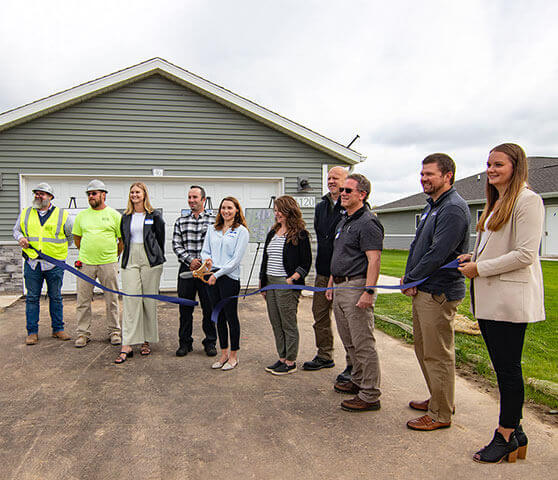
(146, 203)
(502, 214)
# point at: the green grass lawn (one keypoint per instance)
(540, 354)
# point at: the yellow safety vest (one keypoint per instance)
(48, 238)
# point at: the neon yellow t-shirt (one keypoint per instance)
(99, 231)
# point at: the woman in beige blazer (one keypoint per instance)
(507, 287)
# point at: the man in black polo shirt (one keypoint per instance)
(442, 235)
(356, 263)
(326, 217)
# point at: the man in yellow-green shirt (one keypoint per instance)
(97, 236)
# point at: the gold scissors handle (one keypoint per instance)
(203, 271)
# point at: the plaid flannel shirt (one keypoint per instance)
(188, 236)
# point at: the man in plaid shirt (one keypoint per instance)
(187, 242)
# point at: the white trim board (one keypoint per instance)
(183, 77)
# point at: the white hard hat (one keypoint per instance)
(96, 185)
(44, 187)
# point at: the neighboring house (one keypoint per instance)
(400, 218)
(163, 125)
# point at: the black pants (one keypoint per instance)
(504, 341)
(187, 288)
(228, 317)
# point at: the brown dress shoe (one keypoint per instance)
(32, 339)
(62, 335)
(426, 424)
(423, 406)
(346, 387)
(358, 405)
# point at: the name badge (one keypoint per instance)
(149, 221)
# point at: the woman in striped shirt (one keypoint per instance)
(286, 259)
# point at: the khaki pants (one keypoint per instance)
(356, 329)
(139, 316)
(107, 276)
(433, 330)
(321, 309)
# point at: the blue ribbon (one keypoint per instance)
(62, 264)
(221, 304)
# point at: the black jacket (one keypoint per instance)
(153, 238)
(296, 258)
(442, 235)
(325, 223)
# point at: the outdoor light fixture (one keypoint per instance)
(303, 184)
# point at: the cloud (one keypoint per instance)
(409, 77)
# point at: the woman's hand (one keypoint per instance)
(466, 257)
(212, 280)
(469, 269)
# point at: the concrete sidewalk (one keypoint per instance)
(74, 414)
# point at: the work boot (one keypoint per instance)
(32, 339)
(61, 335)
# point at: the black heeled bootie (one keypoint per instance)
(498, 449)
(522, 442)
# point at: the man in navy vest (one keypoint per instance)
(442, 235)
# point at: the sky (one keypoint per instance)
(409, 77)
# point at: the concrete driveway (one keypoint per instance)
(74, 414)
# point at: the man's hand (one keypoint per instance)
(329, 293)
(365, 300)
(212, 280)
(410, 292)
(195, 264)
(23, 242)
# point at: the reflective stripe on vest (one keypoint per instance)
(56, 245)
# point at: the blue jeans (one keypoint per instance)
(34, 284)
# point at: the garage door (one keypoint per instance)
(167, 193)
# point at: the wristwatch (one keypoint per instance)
(370, 291)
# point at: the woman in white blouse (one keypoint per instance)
(224, 246)
(143, 234)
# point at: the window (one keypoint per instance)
(479, 213)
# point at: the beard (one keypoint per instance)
(40, 203)
(94, 202)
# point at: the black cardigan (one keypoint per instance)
(296, 258)
(153, 238)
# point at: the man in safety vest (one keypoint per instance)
(48, 229)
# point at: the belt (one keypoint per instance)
(346, 279)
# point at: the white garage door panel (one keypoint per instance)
(168, 194)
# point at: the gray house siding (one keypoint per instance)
(153, 122)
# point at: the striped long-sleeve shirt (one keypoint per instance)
(188, 236)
